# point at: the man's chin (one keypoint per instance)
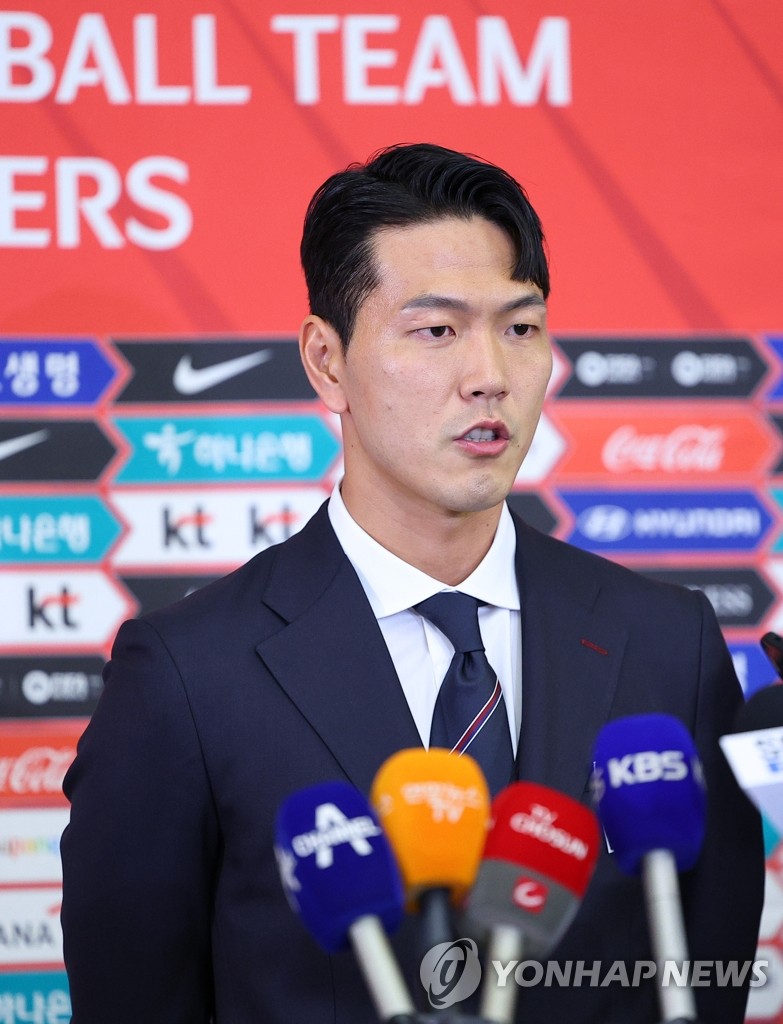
(478, 498)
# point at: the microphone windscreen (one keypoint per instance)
(434, 806)
(754, 751)
(335, 863)
(649, 789)
(763, 710)
(540, 828)
(538, 859)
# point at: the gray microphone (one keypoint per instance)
(539, 857)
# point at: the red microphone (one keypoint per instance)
(538, 859)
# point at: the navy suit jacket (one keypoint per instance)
(277, 677)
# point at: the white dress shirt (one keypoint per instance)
(420, 652)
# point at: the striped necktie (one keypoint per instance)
(470, 713)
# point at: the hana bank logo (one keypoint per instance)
(231, 448)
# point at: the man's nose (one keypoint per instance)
(484, 371)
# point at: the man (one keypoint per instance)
(428, 337)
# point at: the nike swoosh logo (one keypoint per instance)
(14, 445)
(190, 381)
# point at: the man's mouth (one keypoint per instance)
(480, 434)
(486, 432)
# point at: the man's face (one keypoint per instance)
(445, 374)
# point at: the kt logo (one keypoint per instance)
(54, 611)
(186, 531)
(284, 520)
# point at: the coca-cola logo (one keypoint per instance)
(35, 771)
(690, 448)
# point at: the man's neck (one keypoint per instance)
(447, 547)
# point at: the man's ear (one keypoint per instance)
(323, 359)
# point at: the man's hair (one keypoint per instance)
(400, 186)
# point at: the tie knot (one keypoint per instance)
(456, 616)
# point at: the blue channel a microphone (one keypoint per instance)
(340, 876)
(651, 800)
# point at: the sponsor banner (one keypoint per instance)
(30, 845)
(561, 370)
(659, 445)
(533, 509)
(53, 371)
(210, 527)
(39, 687)
(49, 450)
(639, 521)
(142, 208)
(34, 757)
(152, 592)
(214, 370)
(776, 493)
(30, 930)
(648, 367)
(71, 528)
(774, 568)
(752, 666)
(778, 421)
(231, 449)
(739, 596)
(775, 343)
(34, 997)
(47, 608)
(545, 452)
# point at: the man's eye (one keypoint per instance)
(522, 330)
(440, 331)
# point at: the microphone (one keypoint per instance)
(434, 806)
(339, 875)
(538, 859)
(754, 751)
(649, 788)
(772, 645)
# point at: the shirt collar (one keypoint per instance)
(393, 585)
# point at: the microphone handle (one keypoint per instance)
(453, 1018)
(380, 969)
(458, 1018)
(681, 1020)
(435, 924)
(667, 932)
(498, 1003)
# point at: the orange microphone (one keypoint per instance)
(434, 808)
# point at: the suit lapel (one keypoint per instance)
(332, 661)
(571, 657)
(331, 658)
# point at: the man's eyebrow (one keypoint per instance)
(430, 301)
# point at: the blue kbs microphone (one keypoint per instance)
(340, 876)
(651, 800)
